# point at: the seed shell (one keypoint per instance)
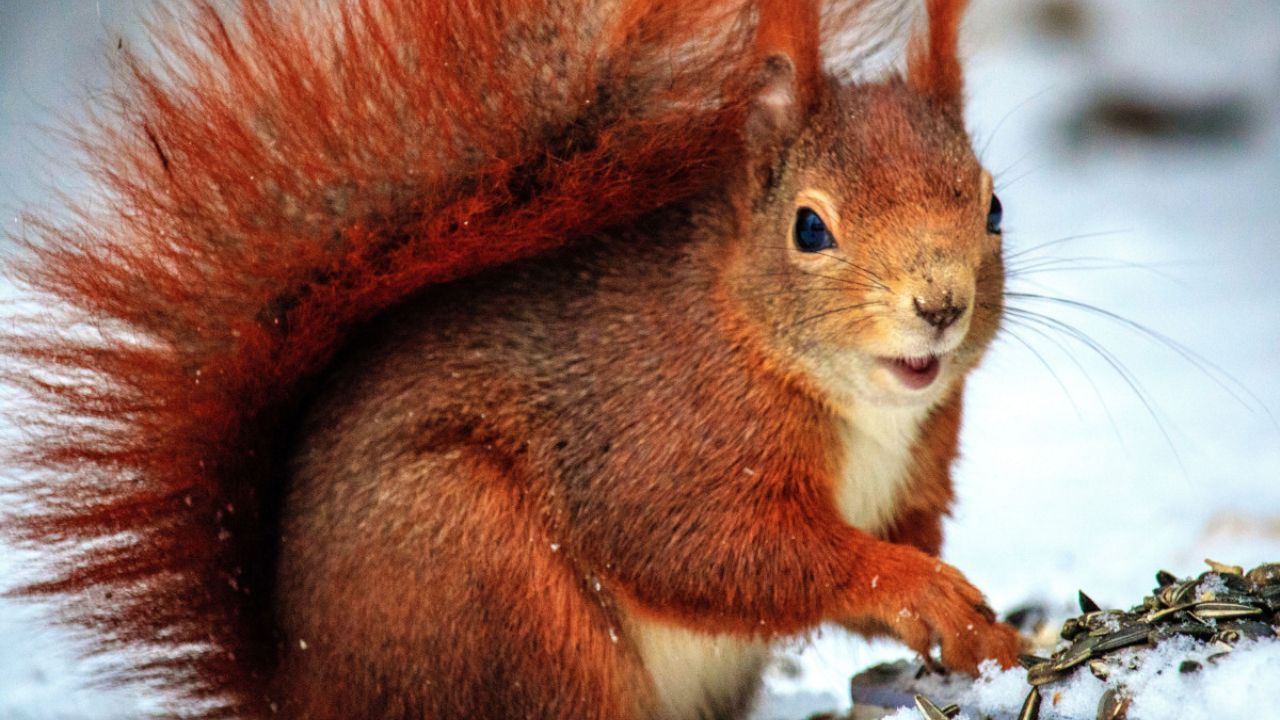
(1044, 674)
(1249, 629)
(1113, 705)
(1030, 661)
(1123, 638)
(1080, 651)
(1224, 568)
(1220, 610)
(1194, 629)
(928, 710)
(1031, 706)
(1264, 575)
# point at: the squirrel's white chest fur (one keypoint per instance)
(697, 675)
(694, 673)
(877, 461)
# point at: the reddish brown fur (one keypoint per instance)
(935, 62)
(284, 179)
(790, 29)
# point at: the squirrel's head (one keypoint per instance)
(871, 251)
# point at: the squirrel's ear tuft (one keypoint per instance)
(933, 65)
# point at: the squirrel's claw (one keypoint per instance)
(931, 604)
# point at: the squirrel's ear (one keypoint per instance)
(788, 72)
(775, 112)
(933, 63)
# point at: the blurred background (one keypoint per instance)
(1126, 419)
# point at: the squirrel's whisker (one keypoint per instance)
(1007, 332)
(1039, 266)
(1220, 377)
(867, 272)
(1122, 371)
(1014, 321)
(867, 317)
(1009, 257)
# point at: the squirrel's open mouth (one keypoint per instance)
(915, 373)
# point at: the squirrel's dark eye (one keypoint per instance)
(995, 215)
(812, 234)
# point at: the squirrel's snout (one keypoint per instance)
(941, 313)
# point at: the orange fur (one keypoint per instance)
(791, 28)
(471, 510)
(934, 65)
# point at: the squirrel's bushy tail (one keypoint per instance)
(277, 175)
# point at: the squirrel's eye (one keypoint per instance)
(995, 215)
(812, 234)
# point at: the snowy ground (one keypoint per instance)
(1068, 480)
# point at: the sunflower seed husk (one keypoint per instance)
(1044, 674)
(1172, 610)
(1264, 575)
(1122, 638)
(1107, 622)
(1087, 605)
(1224, 568)
(1249, 629)
(1177, 593)
(1030, 661)
(1196, 629)
(1071, 628)
(1092, 619)
(928, 710)
(951, 710)
(1113, 705)
(1100, 668)
(1031, 706)
(1080, 651)
(1189, 666)
(1222, 610)
(1164, 577)
(1232, 596)
(1230, 636)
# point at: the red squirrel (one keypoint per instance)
(522, 358)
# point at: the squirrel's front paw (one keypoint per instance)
(926, 602)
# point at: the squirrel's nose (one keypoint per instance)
(941, 315)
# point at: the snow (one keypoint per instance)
(1067, 482)
(1213, 585)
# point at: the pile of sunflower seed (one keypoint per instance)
(1220, 607)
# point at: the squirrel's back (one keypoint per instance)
(442, 471)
